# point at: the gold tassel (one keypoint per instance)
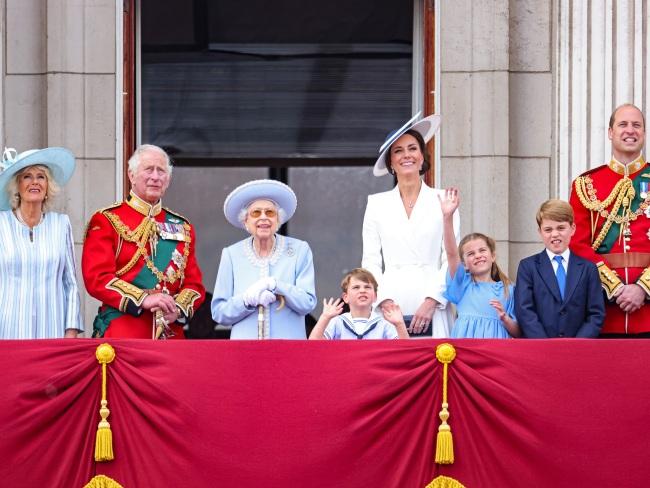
(104, 440)
(445, 442)
(101, 481)
(445, 482)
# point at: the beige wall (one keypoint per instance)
(497, 108)
(58, 89)
(503, 63)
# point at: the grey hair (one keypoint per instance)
(53, 187)
(136, 157)
(282, 215)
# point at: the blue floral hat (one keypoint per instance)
(59, 160)
(426, 126)
(242, 196)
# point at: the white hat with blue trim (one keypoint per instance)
(59, 160)
(242, 196)
(427, 127)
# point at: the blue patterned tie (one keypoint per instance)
(560, 274)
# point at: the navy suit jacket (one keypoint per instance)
(540, 310)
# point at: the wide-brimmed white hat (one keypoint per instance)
(242, 196)
(59, 160)
(427, 127)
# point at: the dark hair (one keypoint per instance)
(423, 149)
(495, 273)
(612, 117)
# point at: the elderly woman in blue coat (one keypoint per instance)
(265, 283)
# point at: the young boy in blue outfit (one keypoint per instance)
(359, 292)
(558, 294)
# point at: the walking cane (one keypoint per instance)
(260, 317)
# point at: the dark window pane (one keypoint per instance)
(289, 82)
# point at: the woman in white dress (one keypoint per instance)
(402, 233)
(40, 298)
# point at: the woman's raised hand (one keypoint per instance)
(449, 203)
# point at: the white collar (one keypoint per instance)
(565, 255)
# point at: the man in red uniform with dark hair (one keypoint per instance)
(612, 216)
(138, 258)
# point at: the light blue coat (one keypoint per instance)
(292, 266)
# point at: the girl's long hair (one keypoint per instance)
(495, 273)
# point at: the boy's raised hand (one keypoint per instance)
(332, 308)
(393, 313)
(449, 203)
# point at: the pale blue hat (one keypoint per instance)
(242, 196)
(59, 160)
(427, 127)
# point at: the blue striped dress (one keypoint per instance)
(38, 288)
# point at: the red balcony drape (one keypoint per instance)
(346, 414)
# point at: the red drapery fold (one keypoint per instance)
(243, 414)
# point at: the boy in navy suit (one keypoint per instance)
(558, 293)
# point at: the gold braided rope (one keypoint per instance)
(105, 354)
(445, 353)
(622, 194)
(140, 236)
(584, 184)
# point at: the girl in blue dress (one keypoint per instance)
(482, 293)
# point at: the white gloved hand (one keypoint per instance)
(253, 292)
(270, 283)
(266, 298)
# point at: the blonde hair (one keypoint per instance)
(360, 274)
(53, 187)
(556, 210)
(495, 273)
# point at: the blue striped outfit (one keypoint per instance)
(38, 287)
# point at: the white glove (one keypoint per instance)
(270, 283)
(266, 298)
(253, 292)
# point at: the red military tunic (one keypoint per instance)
(120, 270)
(612, 222)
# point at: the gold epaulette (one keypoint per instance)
(109, 207)
(609, 280)
(101, 210)
(644, 281)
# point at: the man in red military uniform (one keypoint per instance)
(138, 258)
(612, 216)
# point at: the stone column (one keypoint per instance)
(531, 123)
(59, 90)
(475, 103)
(601, 62)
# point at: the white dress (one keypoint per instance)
(411, 251)
(40, 298)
